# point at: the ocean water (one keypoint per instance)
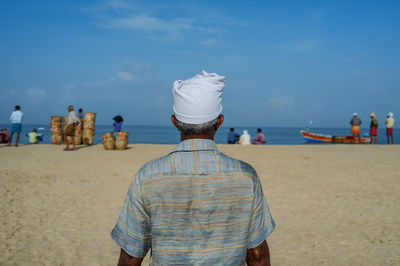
(170, 135)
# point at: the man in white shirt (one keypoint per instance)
(16, 124)
(69, 131)
(245, 138)
(389, 127)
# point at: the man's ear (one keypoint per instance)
(220, 120)
(173, 120)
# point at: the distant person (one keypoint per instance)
(374, 128)
(232, 136)
(245, 138)
(73, 121)
(260, 138)
(16, 124)
(389, 127)
(4, 135)
(118, 120)
(80, 113)
(34, 137)
(355, 123)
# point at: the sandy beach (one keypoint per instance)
(333, 204)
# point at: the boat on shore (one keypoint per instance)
(323, 138)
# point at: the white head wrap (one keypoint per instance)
(390, 114)
(198, 100)
(354, 114)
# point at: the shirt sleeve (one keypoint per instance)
(76, 119)
(262, 224)
(132, 232)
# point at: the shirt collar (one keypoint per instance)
(195, 145)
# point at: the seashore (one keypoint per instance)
(333, 204)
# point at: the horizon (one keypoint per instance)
(222, 126)
(315, 61)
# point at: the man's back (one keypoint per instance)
(16, 116)
(355, 121)
(194, 206)
(389, 122)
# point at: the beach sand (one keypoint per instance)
(333, 204)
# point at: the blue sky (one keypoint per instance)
(286, 62)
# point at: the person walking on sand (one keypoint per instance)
(73, 121)
(355, 123)
(374, 128)
(259, 139)
(16, 124)
(196, 205)
(245, 138)
(389, 127)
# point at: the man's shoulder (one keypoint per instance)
(236, 165)
(153, 167)
(165, 165)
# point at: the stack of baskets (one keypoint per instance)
(88, 128)
(78, 132)
(118, 143)
(56, 129)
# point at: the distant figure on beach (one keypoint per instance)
(118, 120)
(389, 127)
(259, 139)
(73, 121)
(16, 124)
(355, 123)
(34, 137)
(245, 138)
(4, 135)
(80, 113)
(196, 205)
(232, 136)
(374, 128)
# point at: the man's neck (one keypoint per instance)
(185, 137)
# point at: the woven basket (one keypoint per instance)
(56, 139)
(108, 141)
(121, 140)
(56, 129)
(88, 128)
(87, 137)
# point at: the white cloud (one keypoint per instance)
(280, 103)
(124, 76)
(149, 24)
(35, 95)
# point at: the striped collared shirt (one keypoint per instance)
(194, 206)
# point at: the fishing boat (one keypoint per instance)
(323, 138)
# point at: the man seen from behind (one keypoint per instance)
(196, 205)
(355, 123)
(16, 124)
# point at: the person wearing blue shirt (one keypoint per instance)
(232, 136)
(16, 124)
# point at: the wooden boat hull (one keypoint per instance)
(323, 138)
